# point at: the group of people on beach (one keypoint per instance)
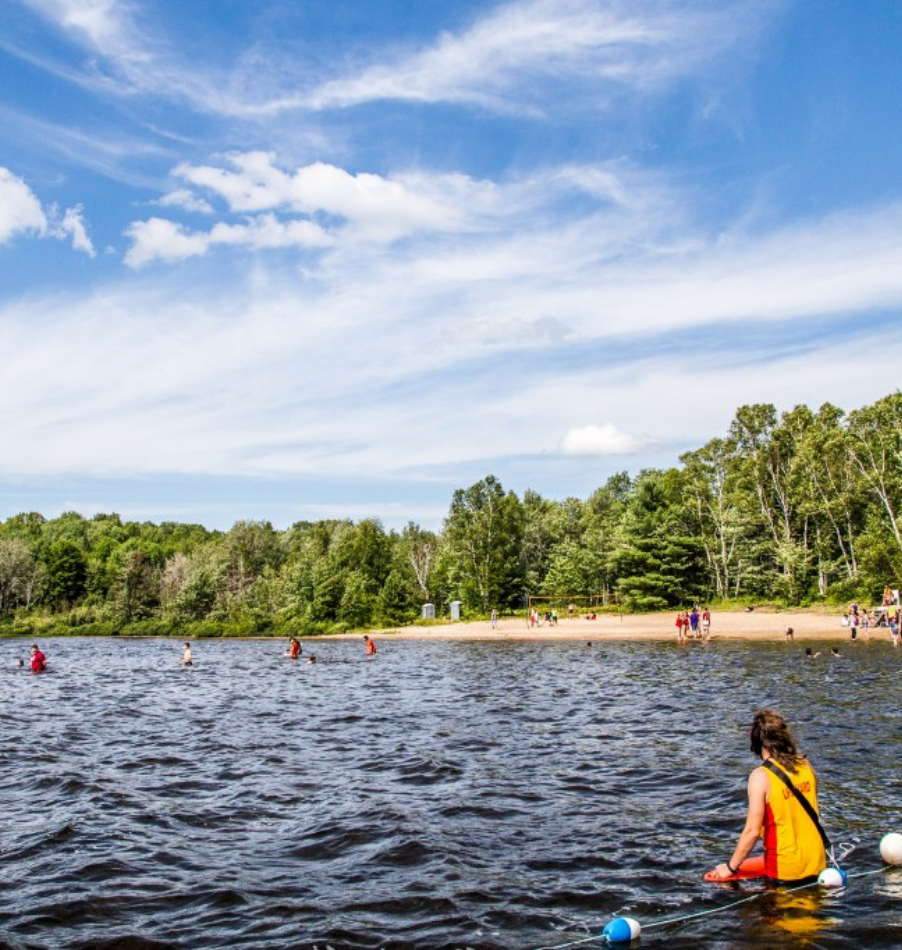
(536, 619)
(886, 616)
(693, 624)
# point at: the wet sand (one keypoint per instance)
(725, 625)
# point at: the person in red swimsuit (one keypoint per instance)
(38, 660)
(370, 646)
(294, 648)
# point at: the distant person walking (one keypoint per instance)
(494, 618)
(370, 646)
(706, 623)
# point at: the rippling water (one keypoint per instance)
(508, 795)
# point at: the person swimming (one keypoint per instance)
(38, 660)
(809, 654)
(187, 655)
(312, 658)
(835, 652)
(294, 648)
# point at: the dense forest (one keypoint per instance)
(792, 509)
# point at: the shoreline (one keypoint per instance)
(725, 625)
(759, 625)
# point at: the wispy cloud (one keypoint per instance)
(510, 59)
(387, 363)
(497, 62)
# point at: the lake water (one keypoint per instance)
(444, 794)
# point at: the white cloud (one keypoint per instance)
(20, 210)
(605, 439)
(21, 213)
(163, 240)
(101, 21)
(183, 198)
(384, 206)
(72, 225)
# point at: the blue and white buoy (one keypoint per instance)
(832, 877)
(621, 930)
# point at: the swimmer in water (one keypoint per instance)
(187, 655)
(38, 660)
(835, 652)
(312, 658)
(370, 646)
(809, 654)
(294, 648)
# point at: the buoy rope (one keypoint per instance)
(669, 921)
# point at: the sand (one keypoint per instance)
(727, 625)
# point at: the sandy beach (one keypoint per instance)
(728, 625)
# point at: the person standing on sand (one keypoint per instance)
(370, 646)
(494, 619)
(693, 622)
(706, 623)
(679, 626)
(793, 844)
(790, 633)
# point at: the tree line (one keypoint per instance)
(790, 508)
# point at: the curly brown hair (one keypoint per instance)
(771, 731)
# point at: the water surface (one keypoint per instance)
(504, 795)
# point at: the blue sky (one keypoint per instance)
(299, 260)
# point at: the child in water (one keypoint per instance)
(187, 656)
(294, 648)
(370, 646)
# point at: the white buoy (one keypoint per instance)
(621, 930)
(891, 848)
(832, 877)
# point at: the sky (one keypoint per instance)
(297, 260)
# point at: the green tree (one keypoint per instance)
(67, 572)
(484, 532)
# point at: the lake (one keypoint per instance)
(442, 794)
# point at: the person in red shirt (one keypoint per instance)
(370, 646)
(294, 648)
(38, 660)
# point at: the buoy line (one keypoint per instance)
(623, 930)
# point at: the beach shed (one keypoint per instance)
(428, 612)
(455, 609)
